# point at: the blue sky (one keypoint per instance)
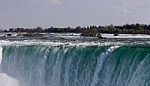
(63, 13)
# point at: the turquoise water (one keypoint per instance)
(78, 66)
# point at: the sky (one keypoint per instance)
(64, 13)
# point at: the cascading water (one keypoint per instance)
(78, 66)
(6, 80)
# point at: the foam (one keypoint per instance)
(48, 43)
(126, 36)
(112, 48)
(6, 80)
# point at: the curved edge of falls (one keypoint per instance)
(78, 66)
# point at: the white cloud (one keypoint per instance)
(56, 1)
(125, 11)
(128, 6)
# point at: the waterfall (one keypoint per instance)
(6, 80)
(78, 65)
(1, 50)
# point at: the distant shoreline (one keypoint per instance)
(110, 29)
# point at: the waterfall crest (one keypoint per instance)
(78, 66)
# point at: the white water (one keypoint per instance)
(1, 49)
(6, 80)
(126, 36)
(49, 43)
(100, 63)
(78, 35)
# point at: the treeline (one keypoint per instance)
(125, 29)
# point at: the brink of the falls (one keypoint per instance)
(77, 65)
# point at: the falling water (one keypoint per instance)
(77, 65)
(6, 80)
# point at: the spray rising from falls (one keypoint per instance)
(6, 80)
(78, 66)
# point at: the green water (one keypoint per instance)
(78, 66)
